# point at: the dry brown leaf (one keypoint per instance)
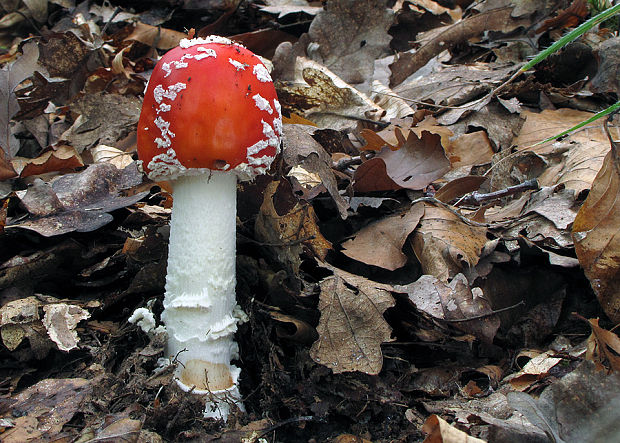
(372, 176)
(10, 77)
(287, 226)
(302, 150)
(349, 35)
(419, 162)
(437, 9)
(110, 154)
(603, 347)
(440, 431)
(45, 408)
(94, 124)
(576, 160)
(156, 36)
(607, 78)
(535, 369)
(6, 168)
(596, 233)
(78, 202)
(453, 85)
(61, 158)
(317, 94)
(471, 149)
(459, 187)
(390, 233)
(414, 165)
(445, 244)
(499, 19)
(566, 18)
(454, 302)
(352, 327)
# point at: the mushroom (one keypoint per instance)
(210, 117)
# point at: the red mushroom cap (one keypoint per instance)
(210, 104)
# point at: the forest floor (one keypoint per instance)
(416, 266)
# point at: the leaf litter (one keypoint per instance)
(411, 239)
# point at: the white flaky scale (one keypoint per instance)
(261, 73)
(238, 65)
(262, 103)
(186, 145)
(170, 93)
(206, 52)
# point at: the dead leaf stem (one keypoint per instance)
(488, 314)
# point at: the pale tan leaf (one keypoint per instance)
(352, 327)
(445, 244)
(110, 154)
(390, 234)
(596, 233)
(60, 320)
(605, 351)
(440, 431)
(576, 160)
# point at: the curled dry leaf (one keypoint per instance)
(440, 431)
(499, 19)
(603, 348)
(78, 202)
(575, 162)
(301, 150)
(110, 154)
(288, 226)
(455, 302)
(416, 163)
(352, 327)
(596, 233)
(316, 93)
(445, 244)
(60, 320)
(156, 36)
(391, 233)
(535, 369)
(61, 158)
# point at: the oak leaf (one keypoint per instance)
(352, 327)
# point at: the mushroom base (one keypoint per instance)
(200, 310)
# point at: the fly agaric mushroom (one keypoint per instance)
(210, 116)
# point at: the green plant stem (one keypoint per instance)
(598, 115)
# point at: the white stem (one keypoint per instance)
(200, 311)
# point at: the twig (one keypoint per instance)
(477, 198)
(289, 421)
(488, 314)
(344, 163)
(114, 14)
(282, 244)
(458, 214)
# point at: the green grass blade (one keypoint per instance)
(603, 113)
(572, 36)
